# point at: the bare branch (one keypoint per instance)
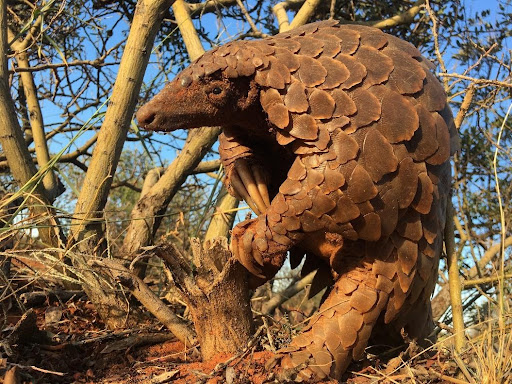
(279, 298)
(249, 18)
(223, 217)
(404, 18)
(454, 279)
(209, 6)
(305, 12)
(151, 302)
(487, 82)
(87, 231)
(466, 102)
(441, 300)
(187, 29)
(50, 182)
(280, 12)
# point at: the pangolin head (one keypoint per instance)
(207, 93)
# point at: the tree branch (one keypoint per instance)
(224, 216)
(149, 300)
(305, 12)
(87, 230)
(50, 181)
(270, 306)
(404, 18)
(16, 151)
(486, 82)
(440, 302)
(454, 279)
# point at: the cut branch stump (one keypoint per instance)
(216, 290)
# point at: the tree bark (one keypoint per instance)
(224, 216)
(145, 216)
(217, 295)
(16, 152)
(87, 225)
(50, 181)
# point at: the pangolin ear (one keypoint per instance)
(252, 97)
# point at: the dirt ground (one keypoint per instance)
(68, 343)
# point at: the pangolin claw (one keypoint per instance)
(241, 247)
(249, 183)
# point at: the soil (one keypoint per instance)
(72, 345)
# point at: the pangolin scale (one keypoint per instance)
(339, 137)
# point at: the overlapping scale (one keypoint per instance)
(331, 43)
(368, 227)
(295, 98)
(399, 119)
(432, 96)
(270, 97)
(345, 209)
(357, 71)
(411, 226)
(350, 39)
(304, 127)
(407, 255)
(369, 109)
(287, 58)
(311, 47)
(443, 139)
(279, 115)
(311, 72)
(377, 155)
(370, 37)
(332, 181)
(344, 105)
(337, 72)
(378, 65)
(424, 142)
(406, 47)
(291, 45)
(321, 104)
(422, 202)
(408, 75)
(344, 146)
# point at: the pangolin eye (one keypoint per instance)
(216, 91)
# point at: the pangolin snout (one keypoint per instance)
(146, 116)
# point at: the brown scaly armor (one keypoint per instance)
(339, 138)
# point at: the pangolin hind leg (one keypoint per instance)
(340, 331)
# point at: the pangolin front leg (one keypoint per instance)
(245, 177)
(258, 245)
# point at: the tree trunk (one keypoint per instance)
(15, 149)
(146, 215)
(217, 295)
(87, 225)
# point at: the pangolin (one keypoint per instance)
(339, 138)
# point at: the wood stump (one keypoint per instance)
(215, 288)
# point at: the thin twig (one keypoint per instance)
(446, 378)
(219, 367)
(249, 18)
(503, 230)
(474, 80)
(56, 373)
